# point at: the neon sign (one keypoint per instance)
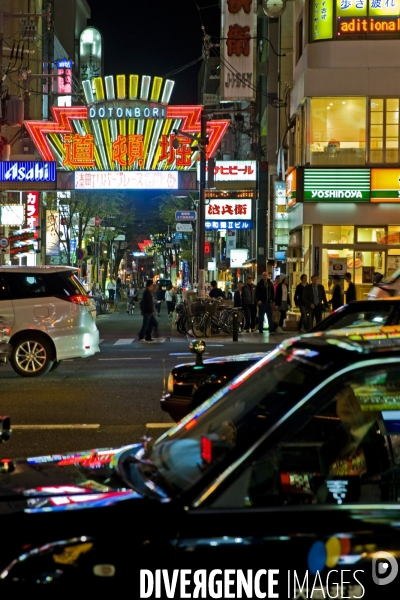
(351, 26)
(128, 180)
(27, 171)
(127, 125)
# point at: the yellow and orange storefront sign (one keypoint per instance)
(385, 185)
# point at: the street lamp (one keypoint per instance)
(200, 225)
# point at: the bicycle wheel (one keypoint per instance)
(194, 326)
(240, 320)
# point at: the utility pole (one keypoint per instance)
(201, 229)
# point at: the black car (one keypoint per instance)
(189, 385)
(288, 476)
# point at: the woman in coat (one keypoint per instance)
(282, 300)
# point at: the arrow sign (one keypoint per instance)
(185, 215)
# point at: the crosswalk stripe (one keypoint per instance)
(123, 341)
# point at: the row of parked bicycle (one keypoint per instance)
(207, 317)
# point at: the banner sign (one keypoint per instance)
(128, 180)
(22, 249)
(27, 171)
(185, 274)
(52, 233)
(21, 237)
(238, 49)
(229, 225)
(227, 208)
(233, 170)
(385, 185)
(336, 185)
(32, 210)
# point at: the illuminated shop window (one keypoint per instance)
(337, 131)
(371, 234)
(338, 234)
(384, 130)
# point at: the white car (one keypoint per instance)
(50, 315)
(388, 287)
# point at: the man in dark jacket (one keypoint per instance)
(314, 299)
(337, 296)
(351, 289)
(237, 295)
(265, 299)
(249, 303)
(215, 291)
(298, 301)
(148, 312)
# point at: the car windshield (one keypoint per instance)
(391, 278)
(234, 417)
(371, 316)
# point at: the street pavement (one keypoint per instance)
(110, 399)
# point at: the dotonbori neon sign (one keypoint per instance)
(127, 124)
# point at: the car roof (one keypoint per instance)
(38, 269)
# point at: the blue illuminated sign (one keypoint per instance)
(27, 171)
(229, 225)
(64, 63)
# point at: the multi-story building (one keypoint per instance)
(344, 180)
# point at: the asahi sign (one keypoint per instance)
(337, 185)
(27, 171)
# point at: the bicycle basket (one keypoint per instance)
(196, 308)
(211, 307)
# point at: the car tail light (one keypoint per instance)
(77, 299)
(206, 450)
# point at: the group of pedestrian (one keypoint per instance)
(150, 305)
(269, 297)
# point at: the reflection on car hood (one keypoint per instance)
(55, 482)
(250, 356)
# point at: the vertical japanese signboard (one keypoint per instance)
(238, 49)
(322, 20)
(90, 53)
(52, 233)
(32, 210)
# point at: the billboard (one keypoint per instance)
(238, 50)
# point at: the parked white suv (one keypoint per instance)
(50, 315)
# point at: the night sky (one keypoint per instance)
(154, 37)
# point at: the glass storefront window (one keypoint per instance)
(371, 234)
(393, 261)
(337, 131)
(338, 234)
(384, 130)
(393, 236)
(360, 264)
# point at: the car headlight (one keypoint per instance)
(170, 383)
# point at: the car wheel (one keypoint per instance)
(31, 356)
(55, 365)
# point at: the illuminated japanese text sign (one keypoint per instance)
(226, 210)
(129, 180)
(336, 185)
(27, 171)
(233, 170)
(371, 25)
(229, 225)
(321, 19)
(385, 185)
(32, 209)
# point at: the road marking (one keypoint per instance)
(123, 342)
(181, 353)
(130, 358)
(159, 425)
(214, 345)
(80, 426)
(68, 360)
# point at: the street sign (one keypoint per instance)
(97, 221)
(80, 255)
(185, 215)
(184, 227)
(4, 242)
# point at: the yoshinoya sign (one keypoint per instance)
(27, 171)
(337, 185)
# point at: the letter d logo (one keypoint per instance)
(384, 568)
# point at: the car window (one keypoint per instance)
(348, 451)
(42, 285)
(4, 291)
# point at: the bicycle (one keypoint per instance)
(213, 320)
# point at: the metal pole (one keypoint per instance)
(201, 231)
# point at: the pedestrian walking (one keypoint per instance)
(118, 285)
(299, 302)
(351, 289)
(337, 295)
(314, 299)
(277, 282)
(282, 301)
(158, 298)
(249, 302)
(148, 312)
(170, 299)
(237, 295)
(111, 289)
(265, 296)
